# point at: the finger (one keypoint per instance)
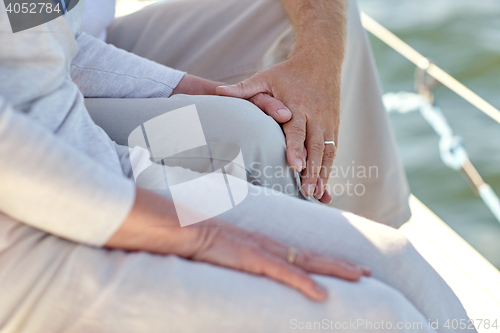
(238, 249)
(313, 262)
(245, 89)
(319, 264)
(329, 154)
(293, 276)
(272, 107)
(259, 261)
(318, 192)
(295, 132)
(326, 198)
(315, 145)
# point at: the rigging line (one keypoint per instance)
(411, 54)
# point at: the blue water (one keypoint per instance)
(463, 38)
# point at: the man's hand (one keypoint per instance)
(152, 226)
(308, 83)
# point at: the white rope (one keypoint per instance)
(451, 148)
(446, 79)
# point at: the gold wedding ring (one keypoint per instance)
(292, 255)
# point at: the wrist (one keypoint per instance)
(317, 44)
(150, 225)
(319, 62)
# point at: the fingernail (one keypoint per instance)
(310, 189)
(225, 87)
(298, 165)
(284, 113)
(366, 271)
(321, 188)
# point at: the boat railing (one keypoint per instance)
(425, 64)
(451, 147)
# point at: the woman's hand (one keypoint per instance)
(152, 226)
(225, 245)
(194, 85)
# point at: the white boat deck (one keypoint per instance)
(475, 281)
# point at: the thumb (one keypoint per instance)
(245, 89)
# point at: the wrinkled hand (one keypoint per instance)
(152, 225)
(310, 89)
(222, 244)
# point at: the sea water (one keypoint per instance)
(463, 38)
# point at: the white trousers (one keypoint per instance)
(52, 285)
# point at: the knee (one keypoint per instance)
(260, 127)
(395, 312)
(399, 252)
(243, 123)
(402, 248)
(396, 243)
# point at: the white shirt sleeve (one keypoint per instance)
(102, 70)
(52, 186)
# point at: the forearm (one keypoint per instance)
(317, 22)
(320, 29)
